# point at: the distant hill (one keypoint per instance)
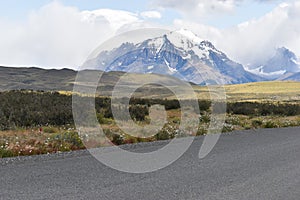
(63, 80)
(36, 79)
(32, 78)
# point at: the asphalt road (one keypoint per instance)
(256, 164)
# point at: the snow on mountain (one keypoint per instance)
(282, 62)
(181, 54)
(261, 72)
(190, 35)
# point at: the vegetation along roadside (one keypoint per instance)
(38, 122)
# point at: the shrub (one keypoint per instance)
(163, 135)
(234, 120)
(227, 128)
(117, 139)
(6, 153)
(204, 105)
(201, 131)
(49, 130)
(69, 139)
(270, 124)
(138, 112)
(205, 118)
(257, 123)
(266, 108)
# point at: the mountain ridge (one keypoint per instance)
(283, 63)
(190, 59)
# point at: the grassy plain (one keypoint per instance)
(31, 141)
(261, 91)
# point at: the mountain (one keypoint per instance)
(181, 54)
(281, 65)
(293, 77)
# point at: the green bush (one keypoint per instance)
(68, 139)
(49, 130)
(138, 112)
(4, 153)
(257, 123)
(117, 139)
(205, 118)
(234, 120)
(227, 128)
(263, 109)
(270, 124)
(201, 131)
(163, 135)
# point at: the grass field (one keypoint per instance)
(275, 90)
(261, 91)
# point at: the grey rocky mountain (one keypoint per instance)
(181, 54)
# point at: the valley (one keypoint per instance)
(36, 104)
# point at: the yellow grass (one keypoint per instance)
(273, 90)
(273, 87)
(260, 91)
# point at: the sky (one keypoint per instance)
(62, 33)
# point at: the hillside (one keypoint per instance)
(63, 80)
(36, 79)
(32, 78)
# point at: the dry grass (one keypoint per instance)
(262, 91)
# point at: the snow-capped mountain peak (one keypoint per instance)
(282, 62)
(190, 35)
(184, 39)
(179, 53)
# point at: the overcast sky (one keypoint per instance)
(62, 33)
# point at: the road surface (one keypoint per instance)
(255, 164)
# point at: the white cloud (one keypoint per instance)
(254, 41)
(59, 36)
(198, 9)
(151, 14)
(116, 18)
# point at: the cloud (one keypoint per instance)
(60, 36)
(255, 41)
(151, 14)
(195, 9)
(116, 18)
(57, 36)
